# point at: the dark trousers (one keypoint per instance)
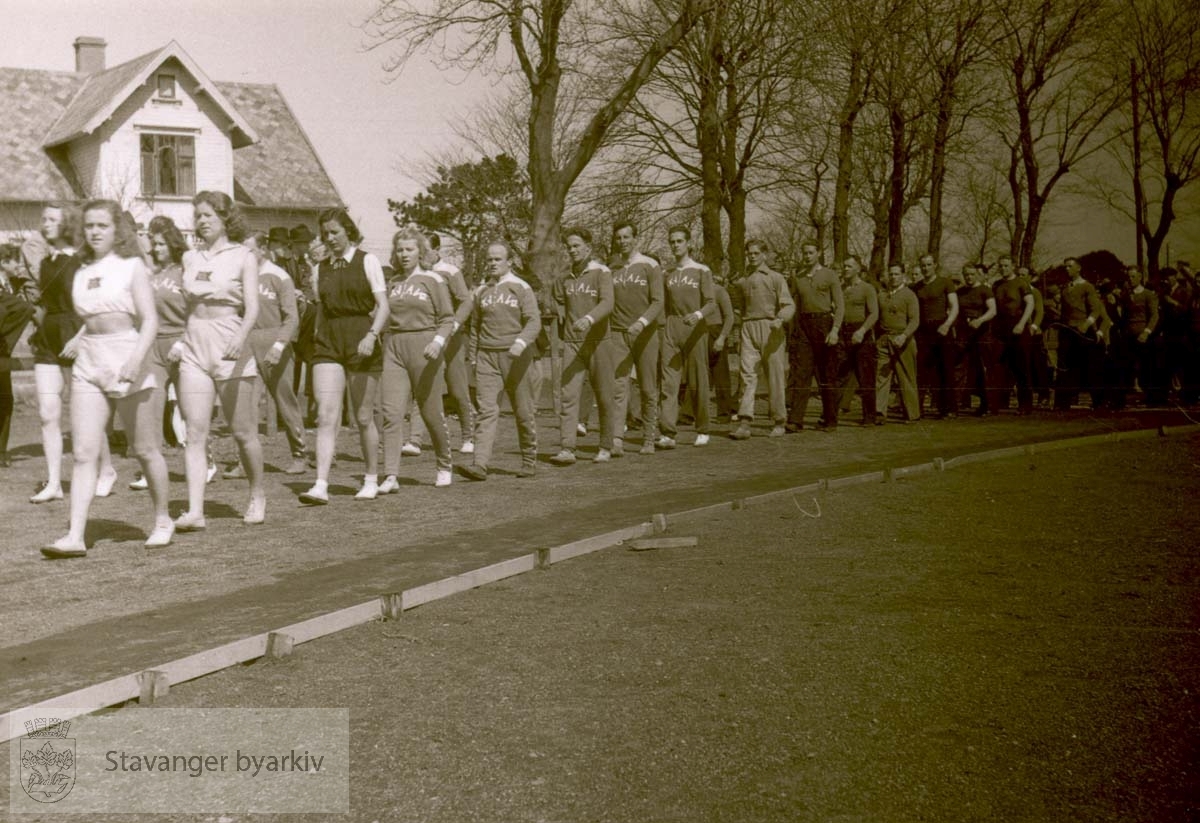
(936, 358)
(1080, 368)
(981, 356)
(1188, 351)
(810, 356)
(859, 360)
(6, 408)
(1016, 364)
(1039, 367)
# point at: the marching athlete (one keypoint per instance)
(111, 293)
(506, 324)
(352, 310)
(221, 283)
(688, 302)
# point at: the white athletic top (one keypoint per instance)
(215, 277)
(105, 286)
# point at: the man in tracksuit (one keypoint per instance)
(506, 322)
(765, 304)
(688, 302)
(585, 299)
(637, 306)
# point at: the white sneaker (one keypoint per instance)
(664, 442)
(410, 450)
(105, 483)
(212, 473)
(701, 440)
(389, 485)
(602, 456)
(140, 484)
(369, 491)
(468, 447)
(47, 494)
(443, 478)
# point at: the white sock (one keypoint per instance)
(370, 480)
(321, 486)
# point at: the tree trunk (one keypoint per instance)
(737, 234)
(895, 218)
(1154, 242)
(851, 106)
(708, 139)
(1018, 224)
(937, 167)
(879, 237)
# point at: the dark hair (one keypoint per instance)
(755, 243)
(435, 241)
(1074, 260)
(227, 210)
(625, 224)
(125, 243)
(175, 241)
(342, 218)
(577, 231)
(680, 229)
(71, 231)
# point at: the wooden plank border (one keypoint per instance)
(154, 683)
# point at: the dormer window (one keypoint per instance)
(168, 165)
(166, 87)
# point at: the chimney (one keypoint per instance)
(89, 55)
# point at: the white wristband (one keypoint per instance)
(699, 315)
(441, 341)
(519, 344)
(278, 346)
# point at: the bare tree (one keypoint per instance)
(1060, 91)
(555, 47)
(953, 43)
(1163, 39)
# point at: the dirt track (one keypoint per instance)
(1011, 641)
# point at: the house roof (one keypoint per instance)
(282, 169)
(30, 102)
(104, 91)
(276, 165)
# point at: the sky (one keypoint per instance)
(367, 126)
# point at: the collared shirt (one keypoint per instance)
(763, 294)
(862, 305)
(899, 312)
(371, 266)
(819, 291)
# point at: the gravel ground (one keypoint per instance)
(1012, 641)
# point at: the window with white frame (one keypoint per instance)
(168, 165)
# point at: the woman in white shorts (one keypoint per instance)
(220, 280)
(112, 295)
(57, 324)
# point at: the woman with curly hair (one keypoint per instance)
(421, 319)
(352, 309)
(220, 280)
(111, 293)
(57, 323)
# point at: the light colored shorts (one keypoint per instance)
(203, 344)
(100, 360)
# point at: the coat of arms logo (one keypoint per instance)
(47, 759)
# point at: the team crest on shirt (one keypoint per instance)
(578, 287)
(684, 279)
(204, 276)
(629, 277)
(266, 291)
(409, 291)
(499, 298)
(93, 283)
(167, 284)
